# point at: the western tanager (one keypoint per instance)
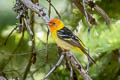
(65, 38)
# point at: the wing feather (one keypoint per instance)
(67, 35)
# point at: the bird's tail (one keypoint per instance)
(85, 52)
(92, 60)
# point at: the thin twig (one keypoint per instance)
(48, 32)
(28, 27)
(53, 69)
(49, 10)
(49, 13)
(54, 8)
(86, 15)
(71, 73)
(88, 60)
(5, 42)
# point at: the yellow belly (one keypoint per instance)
(62, 43)
(66, 45)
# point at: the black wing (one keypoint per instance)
(67, 35)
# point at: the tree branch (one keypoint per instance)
(91, 4)
(81, 8)
(99, 10)
(37, 9)
(75, 63)
(104, 15)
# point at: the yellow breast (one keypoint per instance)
(61, 43)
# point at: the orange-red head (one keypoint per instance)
(55, 24)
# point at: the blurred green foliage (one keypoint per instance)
(104, 42)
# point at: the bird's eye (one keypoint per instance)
(53, 23)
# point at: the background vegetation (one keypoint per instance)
(104, 42)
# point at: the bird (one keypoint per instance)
(65, 38)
